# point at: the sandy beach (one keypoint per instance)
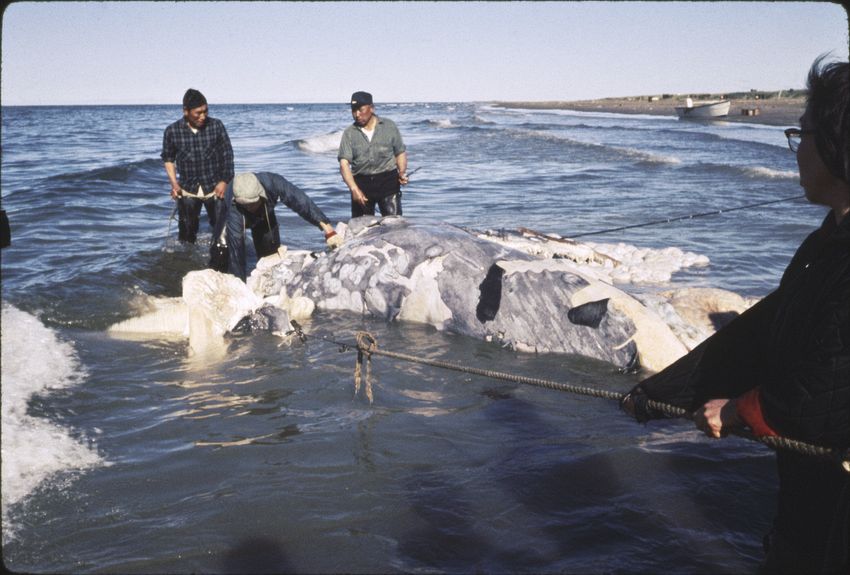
(782, 111)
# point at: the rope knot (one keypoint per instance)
(367, 344)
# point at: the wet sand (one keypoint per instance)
(772, 111)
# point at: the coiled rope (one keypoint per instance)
(366, 346)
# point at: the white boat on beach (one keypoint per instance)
(703, 110)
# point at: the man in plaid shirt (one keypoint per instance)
(197, 148)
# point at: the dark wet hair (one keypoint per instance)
(828, 107)
(193, 99)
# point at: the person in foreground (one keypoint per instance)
(249, 203)
(197, 148)
(783, 366)
(372, 160)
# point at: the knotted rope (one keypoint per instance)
(367, 344)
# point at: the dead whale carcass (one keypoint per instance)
(447, 277)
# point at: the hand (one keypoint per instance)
(333, 240)
(219, 190)
(635, 404)
(402, 178)
(358, 196)
(717, 417)
(176, 191)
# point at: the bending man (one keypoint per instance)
(249, 203)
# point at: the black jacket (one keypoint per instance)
(794, 345)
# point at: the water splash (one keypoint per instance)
(34, 449)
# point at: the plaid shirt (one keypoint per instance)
(205, 158)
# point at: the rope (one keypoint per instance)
(174, 209)
(366, 344)
(184, 193)
(170, 218)
(775, 442)
(688, 217)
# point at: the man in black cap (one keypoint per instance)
(372, 160)
(197, 148)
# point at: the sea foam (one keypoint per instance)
(441, 123)
(320, 144)
(35, 360)
(648, 157)
(769, 173)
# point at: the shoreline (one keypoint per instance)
(771, 111)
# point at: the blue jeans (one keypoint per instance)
(265, 234)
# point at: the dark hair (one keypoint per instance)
(828, 107)
(193, 99)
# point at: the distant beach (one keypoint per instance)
(770, 108)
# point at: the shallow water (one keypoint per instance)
(134, 456)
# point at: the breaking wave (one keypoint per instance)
(755, 172)
(117, 173)
(641, 156)
(769, 173)
(34, 361)
(441, 123)
(320, 144)
(647, 157)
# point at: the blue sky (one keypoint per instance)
(282, 52)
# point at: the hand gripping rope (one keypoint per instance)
(366, 345)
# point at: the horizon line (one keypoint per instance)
(414, 102)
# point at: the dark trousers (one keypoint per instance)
(5, 230)
(811, 532)
(265, 234)
(389, 206)
(189, 214)
(382, 190)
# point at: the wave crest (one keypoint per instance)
(35, 360)
(769, 173)
(320, 144)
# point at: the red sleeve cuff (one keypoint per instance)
(748, 407)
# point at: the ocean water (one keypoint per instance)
(135, 456)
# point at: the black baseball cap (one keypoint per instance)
(360, 99)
